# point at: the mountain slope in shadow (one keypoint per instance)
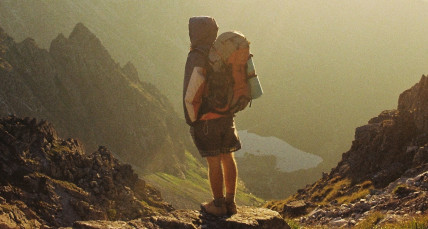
(79, 88)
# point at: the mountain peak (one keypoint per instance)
(83, 41)
(81, 32)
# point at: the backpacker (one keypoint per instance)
(227, 90)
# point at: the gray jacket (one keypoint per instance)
(202, 33)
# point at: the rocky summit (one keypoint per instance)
(50, 182)
(384, 175)
(78, 87)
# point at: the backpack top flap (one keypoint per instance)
(224, 46)
(228, 56)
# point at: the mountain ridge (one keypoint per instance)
(384, 173)
(85, 93)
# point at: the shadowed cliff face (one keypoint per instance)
(49, 181)
(386, 168)
(390, 144)
(86, 94)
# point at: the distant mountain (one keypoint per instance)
(383, 175)
(47, 181)
(85, 93)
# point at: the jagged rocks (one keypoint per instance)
(415, 101)
(18, 216)
(405, 198)
(246, 218)
(49, 181)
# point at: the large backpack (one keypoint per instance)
(227, 90)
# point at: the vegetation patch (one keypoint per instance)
(111, 214)
(330, 192)
(57, 149)
(402, 190)
(293, 224)
(363, 190)
(418, 222)
(66, 185)
(371, 221)
(194, 188)
(338, 190)
(354, 196)
(278, 205)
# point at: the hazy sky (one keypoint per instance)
(327, 66)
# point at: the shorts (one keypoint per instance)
(216, 136)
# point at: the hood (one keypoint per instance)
(202, 31)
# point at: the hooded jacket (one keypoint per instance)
(202, 33)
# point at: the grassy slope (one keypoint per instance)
(323, 193)
(371, 222)
(190, 191)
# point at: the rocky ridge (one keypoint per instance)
(48, 181)
(402, 200)
(78, 87)
(385, 172)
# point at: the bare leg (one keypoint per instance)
(230, 173)
(215, 175)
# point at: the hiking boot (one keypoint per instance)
(231, 208)
(211, 208)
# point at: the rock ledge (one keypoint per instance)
(247, 217)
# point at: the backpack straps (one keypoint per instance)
(201, 51)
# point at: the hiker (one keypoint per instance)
(214, 134)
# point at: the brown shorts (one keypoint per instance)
(215, 136)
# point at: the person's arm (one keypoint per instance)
(195, 89)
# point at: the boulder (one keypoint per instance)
(295, 208)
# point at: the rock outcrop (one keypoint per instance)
(403, 199)
(52, 182)
(384, 171)
(78, 87)
(247, 218)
